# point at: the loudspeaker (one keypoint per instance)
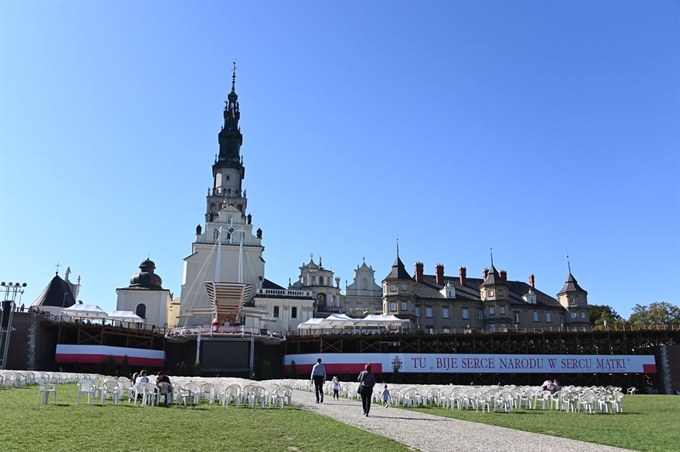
(6, 311)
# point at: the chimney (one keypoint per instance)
(463, 276)
(419, 272)
(532, 280)
(439, 268)
(504, 275)
(485, 273)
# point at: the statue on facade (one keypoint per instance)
(198, 230)
(259, 233)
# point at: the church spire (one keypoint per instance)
(230, 137)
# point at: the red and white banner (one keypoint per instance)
(99, 354)
(473, 363)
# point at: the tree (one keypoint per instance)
(292, 373)
(396, 376)
(657, 313)
(125, 366)
(596, 312)
(266, 373)
(182, 369)
(110, 368)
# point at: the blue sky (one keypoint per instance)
(538, 128)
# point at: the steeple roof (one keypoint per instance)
(493, 278)
(58, 293)
(571, 285)
(398, 271)
(230, 138)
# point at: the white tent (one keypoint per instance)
(338, 321)
(125, 316)
(381, 320)
(85, 311)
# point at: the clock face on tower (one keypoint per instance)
(321, 299)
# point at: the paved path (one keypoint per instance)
(429, 433)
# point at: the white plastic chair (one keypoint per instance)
(46, 389)
(111, 389)
(164, 392)
(184, 396)
(232, 392)
(85, 387)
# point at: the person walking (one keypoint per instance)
(367, 381)
(386, 396)
(318, 378)
(336, 388)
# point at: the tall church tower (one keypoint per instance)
(239, 258)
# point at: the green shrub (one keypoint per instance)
(182, 369)
(266, 372)
(110, 368)
(293, 370)
(125, 366)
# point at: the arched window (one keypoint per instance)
(141, 310)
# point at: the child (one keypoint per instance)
(386, 396)
(336, 388)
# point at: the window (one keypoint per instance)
(502, 310)
(393, 306)
(504, 327)
(417, 312)
(480, 314)
(490, 292)
(583, 315)
(403, 287)
(445, 313)
(141, 310)
(293, 312)
(517, 317)
(535, 316)
(493, 327)
(548, 317)
(276, 312)
(581, 300)
(393, 288)
(404, 306)
(492, 310)
(466, 314)
(573, 315)
(428, 313)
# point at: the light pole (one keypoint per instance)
(63, 305)
(8, 305)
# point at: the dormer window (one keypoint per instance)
(403, 287)
(393, 288)
(581, 300)
(530, 297)
(448, 291)
(490, 292)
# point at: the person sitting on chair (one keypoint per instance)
(164, 390)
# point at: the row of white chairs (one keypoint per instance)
(591, 399)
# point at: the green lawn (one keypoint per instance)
(648, 423)
(26, 426)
